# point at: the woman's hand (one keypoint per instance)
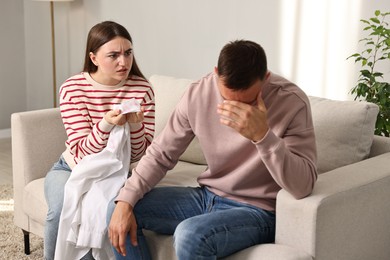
(114, 117)
(136, 117)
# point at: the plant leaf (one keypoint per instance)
(375, 20)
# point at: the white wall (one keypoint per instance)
(12, 57)
(306, 41)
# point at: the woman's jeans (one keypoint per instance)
(204, 225)
(54, 193)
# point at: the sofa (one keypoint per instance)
(347, 216)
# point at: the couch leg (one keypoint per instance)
(26, 242)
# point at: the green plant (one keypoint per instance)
(369, 85)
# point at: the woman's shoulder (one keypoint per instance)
(135, 78)
(75, 82)
(137, 81)
(75, 79)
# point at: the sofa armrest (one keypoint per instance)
(346, 217)
(380, 145)
(37, 142)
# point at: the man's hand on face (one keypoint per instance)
(122, 223)
(248, 120)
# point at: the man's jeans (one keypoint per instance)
(204, 225)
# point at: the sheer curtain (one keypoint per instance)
(316, 38)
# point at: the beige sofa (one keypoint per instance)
(346, 217)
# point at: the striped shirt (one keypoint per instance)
(83, 104)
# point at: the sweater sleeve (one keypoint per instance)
(291, 159)
(161, 156)
(142, 133)
(84, 138)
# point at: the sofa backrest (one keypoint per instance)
(168, 91)
(344, 129)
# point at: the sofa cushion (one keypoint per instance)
(160, 247)
(184, 174)
(168, 91)
(344, 131)
(34, 203)
(270, 251)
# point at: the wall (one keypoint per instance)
(306, 41)
(12, 65)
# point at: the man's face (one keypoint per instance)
(248, 96)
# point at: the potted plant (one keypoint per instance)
(370, 85)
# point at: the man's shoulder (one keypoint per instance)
(207, 79)
(281, 86)
(277, 80)
(204, 84)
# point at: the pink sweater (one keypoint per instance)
(83, 104)
(238, 168)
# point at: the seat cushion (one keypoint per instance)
(344, 131)
(184, 174)
(270, 252)
(34, 202)
(161, 247)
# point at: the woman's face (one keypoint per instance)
(113, 60)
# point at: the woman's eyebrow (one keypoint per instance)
(116, 52)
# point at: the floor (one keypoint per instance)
(5, 161)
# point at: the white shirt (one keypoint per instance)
(93, 183)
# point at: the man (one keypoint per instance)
(256, 133)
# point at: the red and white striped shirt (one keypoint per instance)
(83, 104)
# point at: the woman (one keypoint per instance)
(110, 76)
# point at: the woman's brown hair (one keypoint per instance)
(100, 34)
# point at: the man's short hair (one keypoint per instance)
(241, 63)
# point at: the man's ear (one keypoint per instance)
(267, 75)
(216, 70)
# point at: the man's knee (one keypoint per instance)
(191, 237)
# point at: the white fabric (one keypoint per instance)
(91, 186)
(129, 106)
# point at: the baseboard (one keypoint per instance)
(5, 133)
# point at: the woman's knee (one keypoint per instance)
(54, 211)
(54, 192)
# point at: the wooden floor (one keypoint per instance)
(5, 161)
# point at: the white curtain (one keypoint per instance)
(316, 38)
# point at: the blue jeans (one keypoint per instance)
(204, 225)
(55, 182)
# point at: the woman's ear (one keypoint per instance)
(216, 70)
(92, 56)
